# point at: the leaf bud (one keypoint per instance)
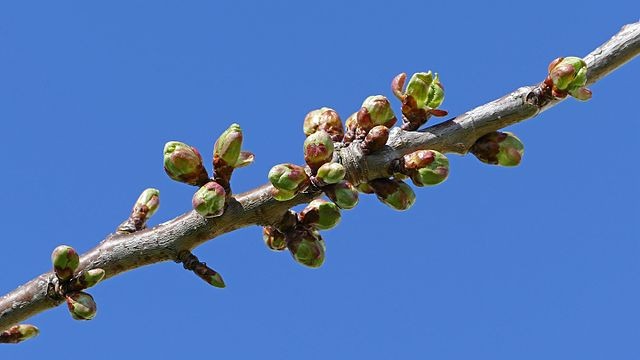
(87, 279)
(65, 262)
(569, 75)
(209, 200)
(226, 149)
(81, 305)
(183, 163)
(18, 333)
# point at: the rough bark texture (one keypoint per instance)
(123, 252)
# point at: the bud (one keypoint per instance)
(394, 193)
(342, 194)
(318, 149)
(498, 148)
(306, 247)
(376, 110)
(320, 214)
(283, 195)
(331, 173)
(226, 149)
(273, 238)
(18, 333)
(81, 305)
(209, 200)
(147, 203)
(351, 125)
(376, 139)
(324, 119)
(289, 178)
(209, 275)
(87, 279)
(397, 84)
(183, 163)
(569, 75)
(65, 262)
(426, 167)
(365, 188)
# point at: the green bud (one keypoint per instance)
(419, 86)
(498, 148)
(321, 214)
(426, 167)
(209, 200)
(81, 305)
(226, 150)
(318, 149)
(283, 195)
(306, 247)
(65, 262)
(289, 178)
(342, 194)
(376, 110)
(148, 202)
(331, 173)
(376, 139)
(18, 333)
(324, 119)
(569, 75)
(209, 275)
(87, 279)
(394, 193)
(183, 163)
(273, 238)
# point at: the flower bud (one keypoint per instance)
(209, 275)
(306, 247)
(376, 139)
(65, 262)
(81, 305)
(342, 194)
(318, 149)
(209, 200)
(394, 193)
(18, 333)
(498, 148)
(376, 110)
(426, 167)
(226, 149)
(320, 214)
(325, 119)
(183, 163)
(331, 173)
(569, 74)
(289, 178)
(273, 238)
(87, 279)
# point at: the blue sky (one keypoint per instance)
(538, 261)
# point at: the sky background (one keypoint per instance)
(535, 262)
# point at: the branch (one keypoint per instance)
(122, 252)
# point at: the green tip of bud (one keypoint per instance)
(394, 193)
(65, 262)
(18, 333)
(377, 111)
(321, 214)
(426, 167)
(331, 173)
(183, 163)
(226, 150)
(318, 149)
(342, 194)
(324, 119)
(209, 200)
(288, 178)
(81, 306)
(307, 247)
(273, 238)
(209, 275)
(499, 148)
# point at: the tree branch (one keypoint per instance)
(123, 252)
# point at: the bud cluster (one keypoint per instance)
(70, 283)
(183, 163)
(421, 98)
(568, 76)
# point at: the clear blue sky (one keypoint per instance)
(535, 262)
